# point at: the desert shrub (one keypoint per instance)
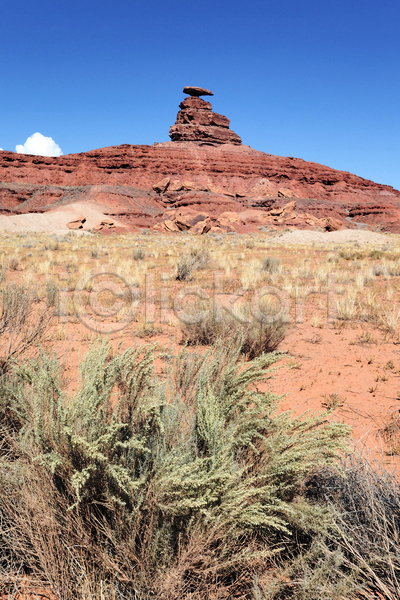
(138, 254)
(143, 486)
(185, 267)
(196, 259)
(13, 263)
(249, 243)
(359, 556)
(366, 511)
(381, 271)
(255, 337)
(202, 256)
(52, 292)
(271, 264)
(23, 323)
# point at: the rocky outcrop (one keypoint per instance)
(225, 185)
(196, 122)
(196, 91)
(77, 222)
(197, 223)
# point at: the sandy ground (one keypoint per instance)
(344, 236)
(322, 367)
(55, 221)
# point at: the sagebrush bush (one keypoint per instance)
(13, 263)
(155, 486)
(24, 322)
(366, 511)
(196, 259)
(138, 254)
(256, 337)
(271, 264)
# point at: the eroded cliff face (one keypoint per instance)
(196, 122)
(123, 180)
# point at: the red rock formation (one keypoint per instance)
(196, 122)
(210, 179)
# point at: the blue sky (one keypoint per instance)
(318, 80)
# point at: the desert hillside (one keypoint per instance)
(207, 170)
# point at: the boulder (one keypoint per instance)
(217, 190)
(225, 225)
(201, 227)
(185, 220)
(175, 186)
(286, 193)
(332, 224)
(193, 103)
(231, 217)
(193, 186)
(171, 226)
(105, 224)
(162, 185)
(77, 223)
(196, 91)
(290, 206)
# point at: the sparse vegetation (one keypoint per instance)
(174, 473)
(24, 323)
(255, 337)
(271, 264)
(138, 253)
(150, 486)
(196, 259)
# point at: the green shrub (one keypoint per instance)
(147, 486)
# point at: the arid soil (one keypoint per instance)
(348, 361)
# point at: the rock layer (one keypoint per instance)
(196, 91)
(196, 122)
(139, 185)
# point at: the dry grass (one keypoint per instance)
(80, 554)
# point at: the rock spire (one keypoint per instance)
(196, 122)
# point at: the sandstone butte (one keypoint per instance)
(204, 170)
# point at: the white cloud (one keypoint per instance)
(1, 148)
(40, 145)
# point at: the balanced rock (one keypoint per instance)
(196, 91)
(196, 122)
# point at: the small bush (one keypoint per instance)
(366, 510)
(23, 323)
(13, 263)
(196, 259)
(138, 254)
(202, 257)
(52, 292)
(255, 337)
(271, 264)
(185, 267)
(249, 244)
